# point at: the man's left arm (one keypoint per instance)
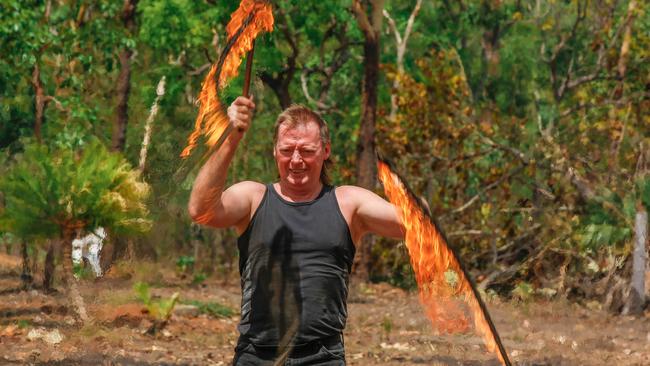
(373, 214)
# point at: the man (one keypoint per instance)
(297, 240)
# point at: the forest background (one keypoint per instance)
(522, 124)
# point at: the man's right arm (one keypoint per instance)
(210, 203)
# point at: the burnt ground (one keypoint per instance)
(386, 327)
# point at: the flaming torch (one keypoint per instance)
(246, 23)
(442, 279)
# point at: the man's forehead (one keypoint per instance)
(294, 140)
(298, 125)
(302, 131)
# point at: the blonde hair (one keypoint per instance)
(297, 115)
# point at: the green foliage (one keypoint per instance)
(199, 278)
(185, 263)
(48, 189)
(523, 291)
(387, 325)
(81, 271)
(643, 186)
(594, 236)
(498, 102)
(159, 309)
(142, 292)
(452, 278)
(172, 24)
(213, 309)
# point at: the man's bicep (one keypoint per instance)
(231, 208)
(379, 216)
(236, 202)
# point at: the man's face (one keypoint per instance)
(299, 154)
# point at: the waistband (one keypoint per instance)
(298, 350)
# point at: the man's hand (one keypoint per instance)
(240, 113)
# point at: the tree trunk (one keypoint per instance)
(115, 248)
(120, 248)
(26, 275)
(123, 87)
(366, 155)
(39, 103)
(123, 91)
(106, 258)
(636, 300)
(284, 97)
(48, 267)
(280, 87)
(74, 296)
(212, 262)
(627, 40)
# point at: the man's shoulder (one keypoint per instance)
(350, 192)
(350, 189)
(248, 187)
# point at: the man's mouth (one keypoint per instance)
(297, 171)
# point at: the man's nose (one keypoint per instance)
(296, 157)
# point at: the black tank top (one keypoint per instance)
(295, 259)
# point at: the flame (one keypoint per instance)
(251, 18)
(262, 21)
(442, 282)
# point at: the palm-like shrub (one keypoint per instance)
(48, 191)
(52, 192)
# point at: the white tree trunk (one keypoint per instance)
(636, 299)
(160, 91)
(400, 42)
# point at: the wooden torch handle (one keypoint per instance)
(249, 68)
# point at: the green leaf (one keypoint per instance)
(142, 291)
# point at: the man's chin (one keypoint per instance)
(298, 179)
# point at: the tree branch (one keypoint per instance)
(199, 70)
(362, 19)
(339, 57)
(280, 83)
(57, 103)
(393, 27)
(487, 188)
(401, 50)
(570, 80)
(517, 153)
(603, 104)
(376, 15)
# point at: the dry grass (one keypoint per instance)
(9, 263)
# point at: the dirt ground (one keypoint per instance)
(386, 326)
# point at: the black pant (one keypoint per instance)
(326, 352)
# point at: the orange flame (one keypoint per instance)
(440, 277)
(251, 18)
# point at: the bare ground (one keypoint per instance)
(386, 327)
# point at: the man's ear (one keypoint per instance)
(328, 150)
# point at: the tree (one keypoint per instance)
(369, 18)
(59, 191)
